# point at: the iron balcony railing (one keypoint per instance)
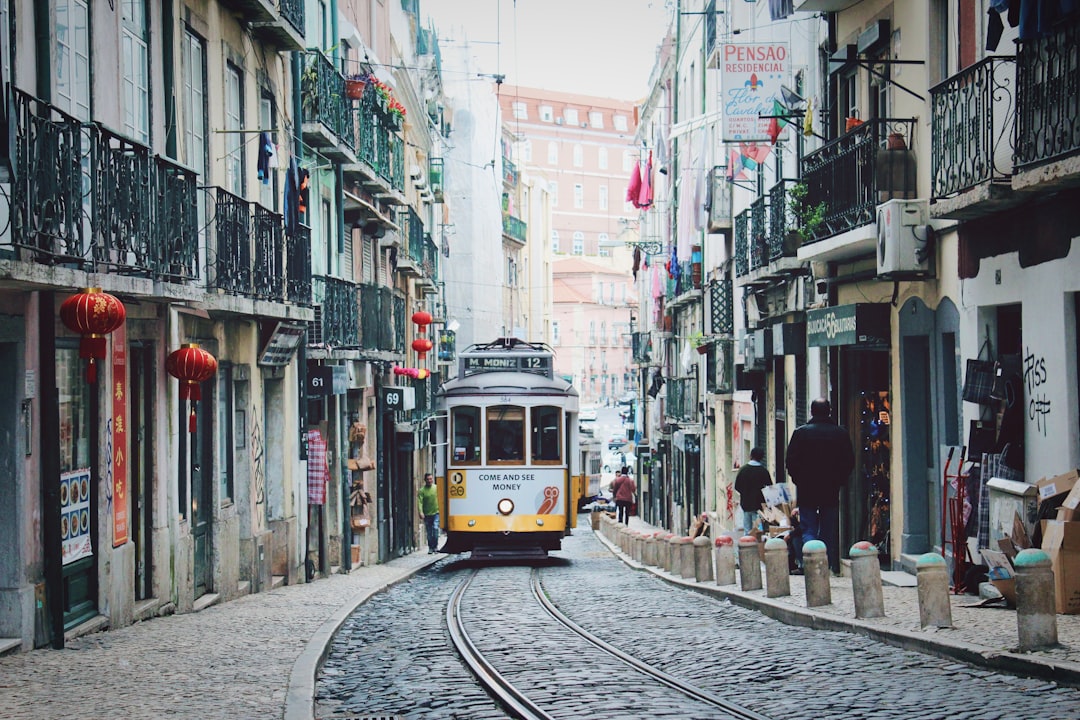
(249, 255)
(759, 234)
(514, 228)
(429, 258)
(682, 399)
(843, 175)
(337, 313)
(782, 221)
(378, 144)
(1048, 96)
(435, 178)
(972, 127)
(322, 91)
(298, 265)
(510, 172)
(85, 196)
(292, 11)
(742, 243)
(640, 346)
(382, 318)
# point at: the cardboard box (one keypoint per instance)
(1070, 506)
(1061, 541)
(1058, 485)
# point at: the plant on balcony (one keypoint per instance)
(700, 342)
(808, 218)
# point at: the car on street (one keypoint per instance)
(587, 414)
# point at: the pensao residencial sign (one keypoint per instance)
(861, 324)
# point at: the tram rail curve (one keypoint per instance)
(517, 701)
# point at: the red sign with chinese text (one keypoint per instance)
(119, 434)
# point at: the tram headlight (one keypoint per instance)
(506, 506)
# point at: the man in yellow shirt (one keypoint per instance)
(428, 505)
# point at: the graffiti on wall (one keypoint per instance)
(1035, 377)
(258, 472)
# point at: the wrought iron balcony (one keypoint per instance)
(429, 259)
(280, 22)
(435, 178)
(513, 228)
(382, 319)
(380, 152)
(742, 244)
(510, 172)
(759, 234)
(298, 265)
(411, 256)
(1047, 97)
(783, 231)
(87, 197)
(337, 313)
(844, 175)
(972, 128)
(328, 113)
(249, 252)
(682, 400)
(641, 347)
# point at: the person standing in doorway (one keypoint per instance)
(752, 478)
(428, 504)
(624, 489)
(819, 460)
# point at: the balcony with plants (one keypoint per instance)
(377, 117)
(847, 178)
(1048, 110)
(971, 136)
(87, 198)
(328, 123)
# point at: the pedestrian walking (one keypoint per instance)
(625, 489)
(819, 460)
(428, 504)
(752, 478)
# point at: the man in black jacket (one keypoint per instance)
(819, 460)
(752, 478)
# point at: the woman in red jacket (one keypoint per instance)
(624, 488)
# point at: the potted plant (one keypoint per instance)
(354, 87)
(808, 218)
(700, 342)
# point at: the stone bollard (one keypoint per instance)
(777, 575)
(703, 571)
(639, 546)
(749, 563)
(658, 546)
(686, 556)
(935, 608)
(815, 560)
(1036, 606)
(725, 560)
(866, 581)
(671, 556)
(648, 549)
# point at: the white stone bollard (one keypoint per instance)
(725, 560)
(777, 575)
(816, 574)
(866, 580)
(703, 570)
(935, 608)
(1036, 605)
(749, 563)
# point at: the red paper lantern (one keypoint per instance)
(422, 346)
(191, 365)
(414, 373)
(423, 319)
(93, 314)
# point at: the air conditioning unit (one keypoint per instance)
(904, 239)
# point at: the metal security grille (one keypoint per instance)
(721, 311)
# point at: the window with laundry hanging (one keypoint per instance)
(234, 123)
(268, 190)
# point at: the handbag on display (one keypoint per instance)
(979, 377)
(1005, 369)
(982, 436)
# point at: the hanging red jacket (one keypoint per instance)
(633, 192)
(645, 196)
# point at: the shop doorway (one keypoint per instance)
(141, 453)
(202, 496)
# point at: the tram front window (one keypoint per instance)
(466, 429)
(546, 434)
(506, 434)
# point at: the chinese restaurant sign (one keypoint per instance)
(119, 432)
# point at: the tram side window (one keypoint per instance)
(546, 432)
(466, 422)
(506, 434)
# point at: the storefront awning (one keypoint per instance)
(862, 325)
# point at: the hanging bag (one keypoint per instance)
(979, 376)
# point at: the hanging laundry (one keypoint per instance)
(645, 196)
(292, 217)
(994, 29)
(808, 120)
(661, 150)
(780, 9)
(633, 192)
(637, 261)
(266, 152)
(303, 192)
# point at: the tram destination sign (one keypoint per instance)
(539, 364)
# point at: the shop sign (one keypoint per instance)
(861, 324)
(118, 472)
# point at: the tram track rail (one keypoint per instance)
(517, 701)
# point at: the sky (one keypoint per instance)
(605, 48)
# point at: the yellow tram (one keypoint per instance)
(508, 469)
